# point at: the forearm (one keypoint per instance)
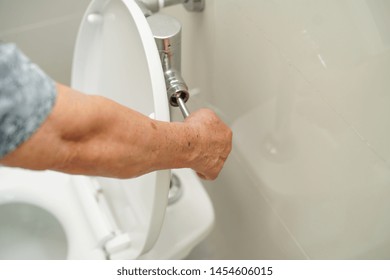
(92, 135)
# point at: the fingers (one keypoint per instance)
(213, 171)
(201, 176)
(214, 143)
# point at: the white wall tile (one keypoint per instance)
(51, 47)
(15, 14)
(246, 226)
(45, 30)
(325, 183)
(341, 48)
(305, 95)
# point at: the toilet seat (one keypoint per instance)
(116, 52)
(80, 206)
(57, 194)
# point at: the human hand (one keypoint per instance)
(214, 143)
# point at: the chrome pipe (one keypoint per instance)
(167, 34)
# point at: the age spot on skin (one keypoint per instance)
(153, 125)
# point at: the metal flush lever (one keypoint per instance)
(183, 107)
(180, 102)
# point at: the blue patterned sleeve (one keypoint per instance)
(27, 96)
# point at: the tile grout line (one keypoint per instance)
(319, 94)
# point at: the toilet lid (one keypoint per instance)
(116, 57)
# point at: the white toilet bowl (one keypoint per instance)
(49, 212)
(50, 215)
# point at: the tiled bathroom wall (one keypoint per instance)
(45, 30)
(304, 85)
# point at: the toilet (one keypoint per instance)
(161, 215)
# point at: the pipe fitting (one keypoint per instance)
(176, 87)
(190, 5)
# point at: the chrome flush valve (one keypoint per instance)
(153, 6)
(167, 34)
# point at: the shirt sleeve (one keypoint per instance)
(27, 96)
